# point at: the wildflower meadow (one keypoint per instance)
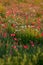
(21, 32)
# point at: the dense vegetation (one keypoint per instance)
(21, 32)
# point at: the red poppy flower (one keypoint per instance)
(14, 47)
(25, 46)
(13, 25)
(33, 23)
(15, 39)
(13, 34)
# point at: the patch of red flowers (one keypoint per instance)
(8, 12)
(13, 34)
(14, 47)
(25, 46)
(15, 39)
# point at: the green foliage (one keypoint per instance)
(26, 59)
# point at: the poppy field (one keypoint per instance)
(21, 32)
